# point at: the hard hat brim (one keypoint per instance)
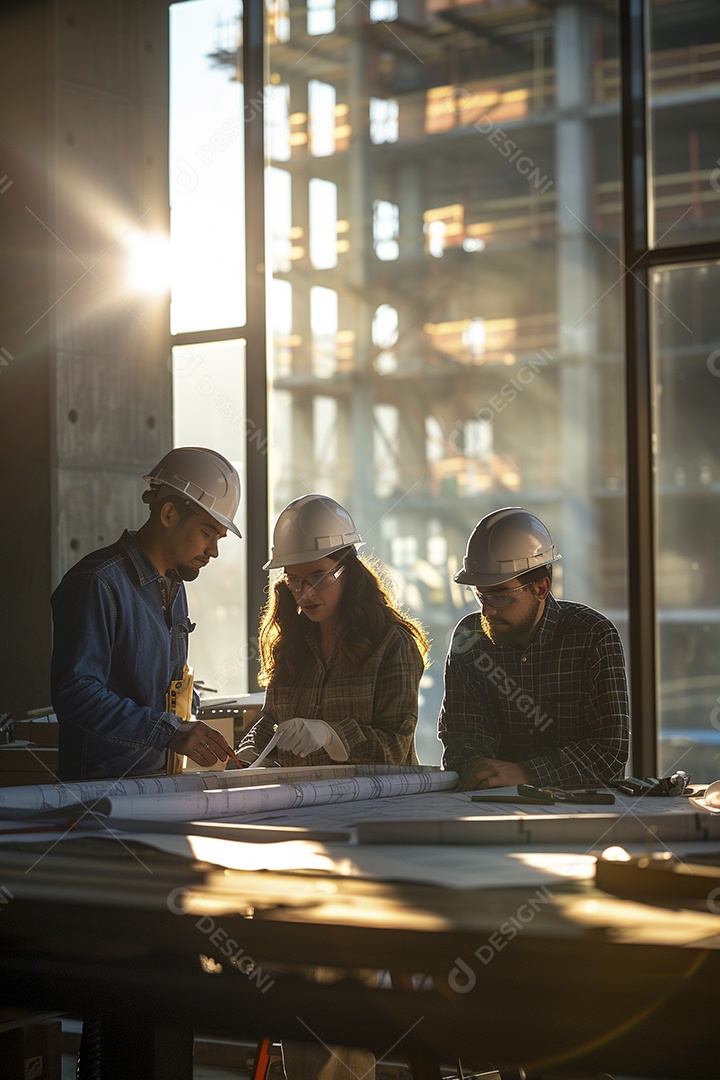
(484, 581)
(229, 525)
(296, 557)
(488, 581)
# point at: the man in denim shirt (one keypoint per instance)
(121, 627)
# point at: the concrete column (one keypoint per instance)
(85, 400)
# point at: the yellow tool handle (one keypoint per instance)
(178, 700)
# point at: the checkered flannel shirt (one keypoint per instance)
(373, 710)
(559, 707)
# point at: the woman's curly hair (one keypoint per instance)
(365, 614)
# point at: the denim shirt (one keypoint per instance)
(115, 650)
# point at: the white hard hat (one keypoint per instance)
(503, 545)
(310, 528)
(204, 478)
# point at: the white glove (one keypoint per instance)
(303, 737)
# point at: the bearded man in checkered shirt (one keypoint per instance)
(535, 687)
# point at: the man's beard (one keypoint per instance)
(187, 573)
(517, 635)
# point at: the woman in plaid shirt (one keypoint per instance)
(340, 662)
(342, 667)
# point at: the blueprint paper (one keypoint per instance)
(215, 805)
(54, 796)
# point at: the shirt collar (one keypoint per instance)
(548, 622)
(145, 568)
(312, 636)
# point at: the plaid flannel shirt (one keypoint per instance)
(558, 707)
(373, 710)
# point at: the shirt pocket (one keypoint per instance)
(566, 709)
(285, 702)
(180, 645)
(342, 700)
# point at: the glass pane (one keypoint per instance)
(320, 16)
(446, 315)
(684, 81)
(207, 228)
(209, 410)
(686, 328)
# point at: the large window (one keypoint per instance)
(209, 410)
(455, 309)
(445, 208)
(683, 99)
(687, 380)
(206, 167)
(208, 294)
(684, 85)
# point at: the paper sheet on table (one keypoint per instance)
(264, 753)
(450, 817)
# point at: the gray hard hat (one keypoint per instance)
(310, 528)
(503, 545)
(202, 477)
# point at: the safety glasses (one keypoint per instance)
(499, 598)
(318, 582)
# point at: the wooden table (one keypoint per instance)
(559, 977)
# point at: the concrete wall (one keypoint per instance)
(85, 391)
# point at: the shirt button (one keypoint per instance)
(524, 659)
